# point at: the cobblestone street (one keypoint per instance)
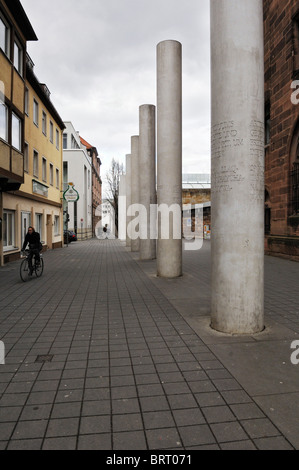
(101, 354)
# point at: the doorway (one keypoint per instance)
(49, 232)
(25, 224)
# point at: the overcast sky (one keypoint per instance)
(98, 58)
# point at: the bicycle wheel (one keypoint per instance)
(24, 270)
(39, 268)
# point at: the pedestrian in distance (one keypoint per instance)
(105, 230)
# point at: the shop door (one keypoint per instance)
(25, 224)
(49, 232)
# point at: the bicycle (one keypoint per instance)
(38, 268)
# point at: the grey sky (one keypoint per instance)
(98, 58)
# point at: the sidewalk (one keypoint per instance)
(100, 354)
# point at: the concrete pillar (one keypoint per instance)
(129, 198)
(135, 242)
(169, 157)
(237, 166)
(147, 179)
(122, 208)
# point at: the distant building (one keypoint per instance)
(96, 181)
(77, 169)
(107, 219)
(197, 190)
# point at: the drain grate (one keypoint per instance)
(47, 358)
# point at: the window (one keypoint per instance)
(267, 123)
(295, 188)
(8, 230)
(64, 141)
(74, 144)
(25, 224)
(4, 36)
(3, 122)
(18, 57)
(44, 169)
(39, 224)
(57, 139)
(51, 132)
(26, 157)
(65, 176)
(56, 225)
(85, 179)
(35, 163)
(51, 174)
(57, 179)
(16, 132)
(35, 112)
(296, 44)
(267, 221)
(27, 102)
(44, 123)
(294, 174)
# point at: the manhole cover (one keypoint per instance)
(44, 358)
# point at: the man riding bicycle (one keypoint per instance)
(35, 247)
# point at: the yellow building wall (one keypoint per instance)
(17, 163)
(18, 91)
(13, 87)
(39, 142)
(19, 205)
(5, 67)
(17, 94)
(4, 156)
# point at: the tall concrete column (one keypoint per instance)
(237, 166)
(135, 242)
(147, 179)
(122, 208)
(129, 199)
(169, 158)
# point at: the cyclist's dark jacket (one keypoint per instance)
(33, 239)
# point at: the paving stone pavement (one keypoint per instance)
(103, 355)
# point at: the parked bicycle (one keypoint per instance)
(37, 267)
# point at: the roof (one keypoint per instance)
(189, 186)
(196, 181)
(85, 143)
(90, 147)
(42, 94)
(196, 178)
(21, 19)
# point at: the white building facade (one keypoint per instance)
(77, 170)
(107, 214)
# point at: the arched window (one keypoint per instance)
(294, 172)
(267, 213)
(295, 187)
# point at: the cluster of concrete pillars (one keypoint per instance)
(150, 185)
(237, 166)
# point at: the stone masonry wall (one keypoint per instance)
(281, 64)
